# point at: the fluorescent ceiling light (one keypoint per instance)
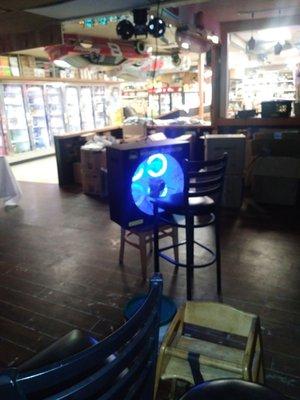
(62, 64)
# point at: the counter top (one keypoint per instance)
(263, 122)
(88, 133)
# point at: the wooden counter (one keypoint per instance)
(259, 122)
(91, 132)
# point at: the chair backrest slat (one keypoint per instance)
(204, 178)
(63, 371)
(90, 374)
(102, 379)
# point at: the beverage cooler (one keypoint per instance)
(36, 116)
(86, 108)
(165, 103)
(154, 105)
(99, 105)
(72, 110)
(32, 113)
(15, 124)
(55, 111)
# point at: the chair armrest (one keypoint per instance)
(176, 323)
(70, 344)
(250, 349)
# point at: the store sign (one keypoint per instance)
(89, 45)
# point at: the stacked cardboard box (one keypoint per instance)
(276, 170)
(93, 171)
(276, 180)
(234, 146)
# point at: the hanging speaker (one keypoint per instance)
(138, 173)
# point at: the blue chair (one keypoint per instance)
(122, 366)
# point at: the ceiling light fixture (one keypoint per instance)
(185, 45)
(278, 48)
(155, 27)
(125, 29)
(251, 42)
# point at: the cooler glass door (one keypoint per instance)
(72, 109)
(37, 115)
(86, 108)
(55, 111)
(16, 118)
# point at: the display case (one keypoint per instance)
(37, 120)
(17, 124)
(99, 105)
(55, 111)
(72, 110)
(86, 108)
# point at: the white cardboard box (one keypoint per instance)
(138, 130)
(233, 145)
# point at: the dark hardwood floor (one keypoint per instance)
(59, 270)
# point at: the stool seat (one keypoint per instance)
(231, 389)
(196, 205)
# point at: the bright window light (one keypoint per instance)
(274, 34)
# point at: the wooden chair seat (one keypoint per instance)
(210, 353)
(208, 341)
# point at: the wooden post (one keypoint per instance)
(201, 83)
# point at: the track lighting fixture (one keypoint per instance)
(155, 27)
(278, 48)
(125, 29)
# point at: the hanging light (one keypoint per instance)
(251, 42)
(125, 29)
(156, 27)
(278, 48)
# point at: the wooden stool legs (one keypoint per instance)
(144, 238)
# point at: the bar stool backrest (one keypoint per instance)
(122, 366)
(204, 178)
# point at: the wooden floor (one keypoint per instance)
(59, 270)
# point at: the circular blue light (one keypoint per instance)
(138, 174)
(157, 165)
(160, 175)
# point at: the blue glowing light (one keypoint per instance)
(157, 165)
(160, 175)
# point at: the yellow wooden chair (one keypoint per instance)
(225, 342)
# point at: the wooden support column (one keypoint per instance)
(201, 83)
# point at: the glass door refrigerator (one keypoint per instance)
(154, 106)
(164, 103)
(37, 116)
(72, 110)
(55, 110)
(86, 108)
(17, 128)
(177, 100)
(99, 105)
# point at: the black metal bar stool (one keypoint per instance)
(231, 389)
(203, 184)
